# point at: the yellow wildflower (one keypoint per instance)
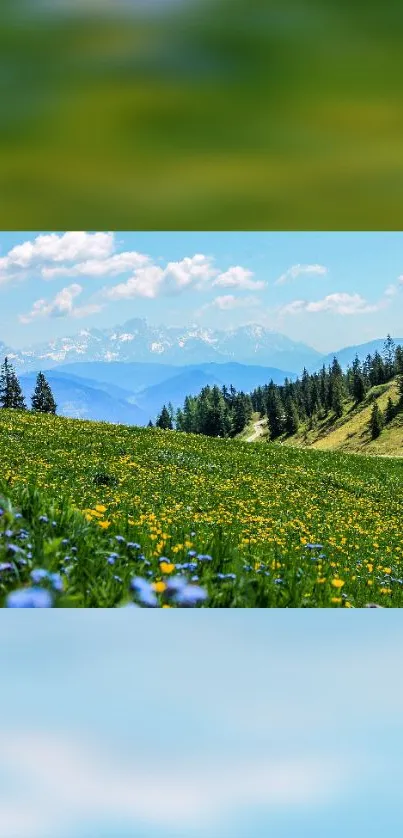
(167, 567)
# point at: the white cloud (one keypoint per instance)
(87, 310)
(190, 271)
(338, 303)
(238, 277)
(61, 305)
(55, 247)
(298, 270)
(119, 263)
(146, 282)
(55, 780)
(92, 255)
(229, 301)
(151, 280)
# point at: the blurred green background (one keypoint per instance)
(233, 114)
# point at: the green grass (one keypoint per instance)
(350, 433)
(252, 508)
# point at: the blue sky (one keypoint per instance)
(326, 289)
(213, 725)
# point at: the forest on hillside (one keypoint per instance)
(224, 412)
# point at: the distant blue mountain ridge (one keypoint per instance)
(133, 392)
(90, 397)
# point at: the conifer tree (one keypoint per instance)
(164, 420)
(275, 411)
(376, 421)
(291, 417)
(42, 399)
(11, 395)
(389, 357)
(390, 411)
(357, 382)
(337, 397)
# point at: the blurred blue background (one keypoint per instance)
(207, 725)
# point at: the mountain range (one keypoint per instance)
(137, 340)
(126, 374)
(116, 391)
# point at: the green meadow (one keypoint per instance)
(86, 508)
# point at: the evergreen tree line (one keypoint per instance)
(215, 411)
(317, 395)
(225, 412)
(11, 395)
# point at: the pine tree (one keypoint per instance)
(291, 417)
(390, 411)
(389, 357)
(399, 360)
(11, 395)
(357, 381)
(376, 421)
(150, 424)
(275, 411)
(164, 420)
(215, 420)
(337, 397)
(42, 399)
(239, 414)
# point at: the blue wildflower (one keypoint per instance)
(133, 545)
(38, 575)
(43, 519)
(13, 548)
(314, 546)
(56, 582)
(119, 539)
(29, 598)
(175, 583)
(189, 596)
(204, 557)
(5, 566)
(191, 566)
(144, 591)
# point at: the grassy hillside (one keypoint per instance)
(350, 433)
(249, 525)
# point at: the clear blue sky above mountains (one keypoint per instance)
(251, 724)
(326, 289)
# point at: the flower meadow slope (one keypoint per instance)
(97, 515)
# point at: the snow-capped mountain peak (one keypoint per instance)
(137, 340)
